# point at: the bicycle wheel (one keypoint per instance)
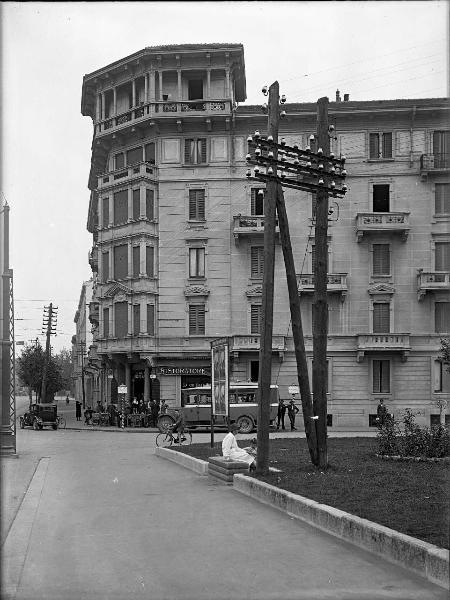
(164, 440)
(186, 438)
(62, 422)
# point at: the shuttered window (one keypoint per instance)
(441, 149)
(136, 261)
(149, 204)
(196, 319)
(150, 261)
(257, 261)
(196, 205)
(105, 212)
(442, 199)
(120, 207)
(105, 266)
(381, 317)
(196, 262)
(136, 319)
(150, 153)
(442, 256)
(257, 201)
(134, 156)
(136, 204)
(195, 151)
(381, 259)
(381, 377)
(151, 319)
(442, 317)
(121, 319)
(255, 318)
(380, 145)
(121, 261)
(106, 322)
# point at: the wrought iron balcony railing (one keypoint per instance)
(434, 162)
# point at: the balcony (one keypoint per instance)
(128, 345)
(391, 222)
(140, 170)
(432, 282)
(163, 110)
(93, 259)
(251, 343)
(434, 163)
(336, 283)
(383, 342)
(250, 225)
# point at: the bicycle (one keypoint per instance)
(61, 422)
(167, 438)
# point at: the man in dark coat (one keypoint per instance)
(78, 410)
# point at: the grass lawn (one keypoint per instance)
(410, 497)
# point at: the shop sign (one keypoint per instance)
(122, 389)
(184, 371)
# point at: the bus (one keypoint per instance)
(196, 407)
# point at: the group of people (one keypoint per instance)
(149, 411)
(292, 410)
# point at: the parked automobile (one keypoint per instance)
(39, 416)
(196, 407)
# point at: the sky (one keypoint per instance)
(370, 50)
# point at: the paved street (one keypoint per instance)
(104, 518)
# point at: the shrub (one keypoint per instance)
(411, 439)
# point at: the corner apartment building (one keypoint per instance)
(177, 253)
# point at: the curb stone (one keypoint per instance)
(422, 558)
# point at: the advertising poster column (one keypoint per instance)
(219, 382)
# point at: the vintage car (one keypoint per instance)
(39, 416)
(196, 407)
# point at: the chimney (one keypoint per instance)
(338, 96)
(346, 97)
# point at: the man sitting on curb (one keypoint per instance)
(231, 450)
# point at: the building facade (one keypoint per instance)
(177, 253)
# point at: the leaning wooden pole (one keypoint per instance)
(297, 328)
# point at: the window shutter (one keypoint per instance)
(120, 207)
(121, 261)
(387, 145)
(442, 198)
(197, 319)
(381, 259)
(201, 156)
(381, 320)
(149, 203)
(197, 205)
(121, 319)
(442, 256)
(136, 261)
(381, 376)
(201, 205)
(257, 261)
(149, 261)
(136, 204)
(188, 151)
(105, 266)
(374, 145)
(105, 212)
(151, 319)
(106, 322)
(442, 317)
(136, 319)
(255, 319)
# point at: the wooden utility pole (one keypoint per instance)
(265, 352)
(297, 328)
(320, 306)
(48, 322)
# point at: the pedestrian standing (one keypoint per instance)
(381, 413)
(163, 407)
(154, 412)
(78, 410)
(292, 411)
(281, 413)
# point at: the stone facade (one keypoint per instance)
(178, 235)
